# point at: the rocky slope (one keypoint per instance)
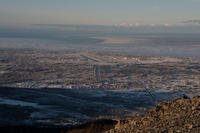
(181, 115)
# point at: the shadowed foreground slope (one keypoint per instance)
(181, 115)
(97, 126)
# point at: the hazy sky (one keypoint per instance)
(100, 12)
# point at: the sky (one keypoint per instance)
(99, 12)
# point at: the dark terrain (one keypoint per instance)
(69, 107)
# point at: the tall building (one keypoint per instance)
(97, 73)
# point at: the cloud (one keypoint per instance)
(166, 25)
(125, 24)
(195, 21)
(137, 24)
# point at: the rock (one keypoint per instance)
(181, 115)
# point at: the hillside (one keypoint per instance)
(181, 115)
